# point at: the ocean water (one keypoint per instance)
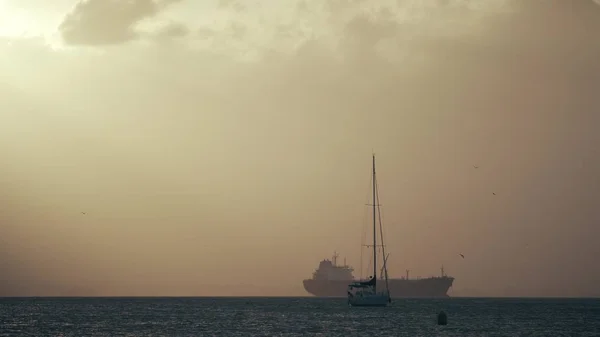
(295, 317)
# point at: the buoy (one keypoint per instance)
(442, 318)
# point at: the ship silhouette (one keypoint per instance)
(332, 280)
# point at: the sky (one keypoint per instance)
(178, 147)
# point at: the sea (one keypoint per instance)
(255, 316)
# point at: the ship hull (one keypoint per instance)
(434, 287)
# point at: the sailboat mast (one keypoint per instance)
(374, 223)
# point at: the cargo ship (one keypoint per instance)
(332, 280)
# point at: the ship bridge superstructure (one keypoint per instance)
(329, 270)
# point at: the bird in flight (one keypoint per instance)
(462, 256)
(84, 213)
(494, 193)
(475, 166)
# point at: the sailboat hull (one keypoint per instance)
(378, 300)
(433, 287)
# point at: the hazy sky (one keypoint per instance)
(214, 144)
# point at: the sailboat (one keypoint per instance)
(365, 294)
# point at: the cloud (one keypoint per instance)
(172, 30)
(435, 86)
(234, 5)
(108, 22)
(514, 86)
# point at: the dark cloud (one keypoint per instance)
(108, 22)
(173, 30)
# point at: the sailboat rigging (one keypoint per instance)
(365, 294)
